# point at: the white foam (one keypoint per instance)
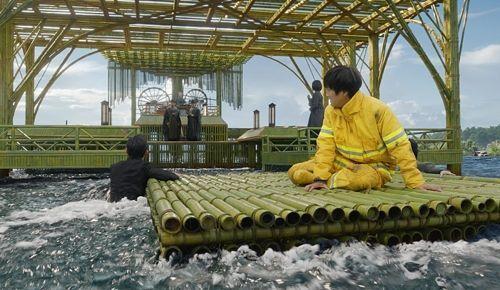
(36, 243)
(54, 235)
(83, 210)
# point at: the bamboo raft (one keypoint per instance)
(200, 213)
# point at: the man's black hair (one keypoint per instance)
(414, 147)
(316, 85)
(136, 147)
(343, 78)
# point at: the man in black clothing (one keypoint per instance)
(425, 166)
(316, 106)
(129, 178)
(194, 122)
(172, 123)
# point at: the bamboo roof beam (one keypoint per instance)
(348, 13)
(313, 13)
(70, 8)
(245, 12)
(409, 13)
(104, 8)
(276, 16)
(337, 18)
(137, 9)
(372, 16)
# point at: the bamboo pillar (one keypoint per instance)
(177, 89)
(351, 53)
(6, 75)
(133, 97)
(325, 69)
(374, 62)
(452, 77)
(218, 84)
(29, 55)
(6, 70)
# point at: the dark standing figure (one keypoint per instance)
(194, 122)
(166, 120)
(172, 121)
(129, 178)
(316, 106)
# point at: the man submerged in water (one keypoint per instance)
(426, 166)
(129, 178)
(360, 143)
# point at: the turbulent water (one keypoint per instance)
(57, 232)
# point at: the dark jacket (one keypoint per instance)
(317, 110)
(428, 168)
(129, 178)
(194, 125)
(172, 124)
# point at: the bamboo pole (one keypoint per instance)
(452, 77)
(133, 96)
(29, 55)
(373, 44)
(6, 71)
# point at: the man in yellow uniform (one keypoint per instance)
(361, 141)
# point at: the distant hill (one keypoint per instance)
(481, 136)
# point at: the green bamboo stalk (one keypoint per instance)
(432, 234)
(420, 207)
(288, 214)
(224, 220)
(263, 218)
(480, 228)
(416, 236)
(336, 213)
(319, 214)
(171, 251)
(329, 229)
(189, 221)
(207, 220)
(469, 232)
(242, 220)
(453, 234)
(388, 239)
(367, 212)
(257, 248)
(405, 237)
(305, 217)
(170, 222)
(464, 205)
(369, 238)
(390, 210)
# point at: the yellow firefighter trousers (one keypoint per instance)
(361, 176)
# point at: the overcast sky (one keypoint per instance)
(407, 86)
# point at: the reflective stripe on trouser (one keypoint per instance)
(363, 176)
(302, 174)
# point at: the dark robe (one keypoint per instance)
(317, 110)
(166, 118)
(129, 178)
(172, 123)
(194, 125)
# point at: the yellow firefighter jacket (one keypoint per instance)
(365, 131)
